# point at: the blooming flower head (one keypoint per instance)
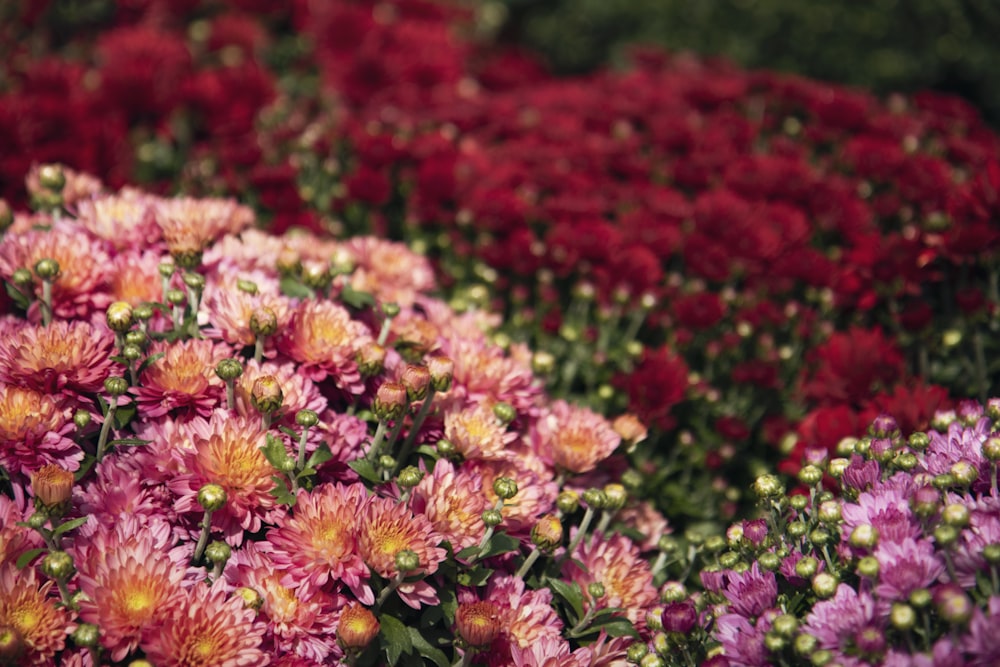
(536, 491)
(454, 502)
(15, 539)
(298, 392)
(324, 339)
(83, 263)
(72, 356)
(33, 431)
(752, 592)
(183, 379)
(125, 220)
(886, 509)
(837, 622)
(615, 563)
(27, 607)
(135, 278)
(390, 271)
(207, 628)
(227, 452)
(576, 439)
(191, 225)
(317, 542)
(477, 433)
(231, 308)
(485, 374)
(527, 616)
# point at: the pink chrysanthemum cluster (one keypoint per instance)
(281, 432)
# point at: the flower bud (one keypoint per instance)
(991, 553)
(547, 533)
(714, 544)
(768, 486)
(370, 359)
(630, 429)
(797, 529)
(53, 489)
(505, 412)
(492, 518)
(390, 309)
(617, 497)
(774, 642)
(143, 312)
(654, 619)
(386, 462)
(505, 488)
(442, 371)
(864, 536)
(991, 449)
(824, 585)
(567, 502)
(194, 281)
(805, 644)
(38, 520)
(218, 552)
(810, 475)
(131, 353)
(952, 604)
(964, 473)
(543, 363)
(407, 560)
(679, 617)
(263, 322)
(906, 461)
(837, 466)
(115, 385)
(785, 625)
(829, 512)
(390, 401)
(416, 379)
(868, 567)
(229, 369)
(212, 497)
(175, 297)
(316, 276)
(921, 598)
(288, 262)
(769, 561)
(819, 537)
(357, 629)
(945, 535)
(447, 449)
(595, 590)
(86, 634)
(806, 567)
(925, 501)
(673, 591)
(902, 616)
(51, 177)
(798, 502)
(251, 598)
(119, 316)
(955, 515)
(409, 477)
(595, 498)
(58, 565)
(652, 660)
(247, 286)
(636, 652)
(266, 395)
(22, 278)
(12, 645)
(306, 418)
(478, 623)
(81, 418)
(918, 441)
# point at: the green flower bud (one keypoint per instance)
(797, 529)
(632, 480)
(218, 552)
(864, 536)
(715, 544)
(212, 497)
(810, 475)
(785, 626)
(229, 369)
(38, 520)
(547, 533)
(847, 446)
(668, 544)
(407, 560)
(247, 286)
(836, 467)
(906, 461)
(769, 561)
(131, 353)
(119, 316)
(805, 644)
(953, 604)
(86, 635)
(902, 616)
(251, 598)
(316, 276)
(652, 660)
(543, 363)
(595, 590)
(447, 449)
(774, 642)
(829, 512)
(821, 658)
(824, 585)
(492, 518)
(636, 652)
(868, 567)
(945, 535)
(176, 297)
(47, 269)
(595, 498)
(58, 565)
(51, 177)
(505, 412)
(616, 495)
(654, 619)
(768, 487)
(143, 312)
(263, 322)
(567, 502)
(921, 598)
(964, 473)
(386, 462)
(729, 559)
(22, 278)
(266, 395)
(81, 418)
(194, 281)
(442, 370)
(944, 481)
(955, 514)
(673, 591)
(798, 502)
(390, 309)
(116, 386)
(918, 441)
(806, 567)
(409, 477)
(505, 488)
(991, 449)
(306, 418)
(819, 537)
(991, 553)
(390, 401)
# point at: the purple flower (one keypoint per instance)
(904, 567)
(741, 642)
(887, 509)
(983, 529)
(861, 474)
(679, 617)
(981, 643)
(751, 592)
(884, 426)
(755, 531)
(835, 622)
(960, 443)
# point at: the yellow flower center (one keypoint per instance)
(24, 411)
(26, 619)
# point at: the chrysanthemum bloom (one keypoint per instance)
(838, 621)
(183, 379)
(301, 620)
(191, 225)
(981, 643)
(536, 490)
(960, 443)
(386, 528)
(34, 431)
(453, 500)
(78, 185)
(123, 490)
(298, 392)
(78, 289)
(53, 487)
(253, 250)
(125, 220)
(643, 517)
(70, 356)
(26, 606)
(227, 452)
(904, 567)
(549, 652)
(478, 434)
(752, 592)
(477, 623)
(15, 539)
(485, 374)
(207, 628)
(742, 643)
(130, 582)
(615, 563)
(231, 308)
(135, 278)
(357, 627)
(390, 271)
(527, 616)
(324, 339)
(887, 510)
(317, 542)
(574, 438)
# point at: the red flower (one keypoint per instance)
(656, 386)
(698, 311)
(851, 365)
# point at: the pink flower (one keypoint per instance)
(527, 616)
(904, 567)
(453, 500)
(124, 220)
(230, 308)
(64, 356)
(298, 391)
(536, 491)
(484, 374)
(183, 380)
(324, 339)
(207, 628)
(575, 439)
(34, 431)
(27, 606)
(390, 271)
(189, 225)
(478, 434)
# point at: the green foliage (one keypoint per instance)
(886, 45)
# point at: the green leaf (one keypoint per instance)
(129, 441)
(427, 450)
(320, 456)
(395, 638)
(570, 592)
(281, 493)
(88, 462)
(27, 557)
(615, 627)
(148, 361)
(291, 287)
(124, 414)
(274, 452)
(501, 543)
(69, 525)
(449, 603)
(19, 298)
(356, 298)
(477, 576)
(289, 432)
(366, 470)
(426, 650)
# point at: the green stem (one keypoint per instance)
(206, 528)
(46, 302)
(393, 584)
(64, 593)
(528, 562)
(231, 394)
(258, 349)
(102, 440)
(178, 318)
(411, 437)
(376, 440)
(265, 420)
(383, 334)
(300, 463)
(588, 516)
